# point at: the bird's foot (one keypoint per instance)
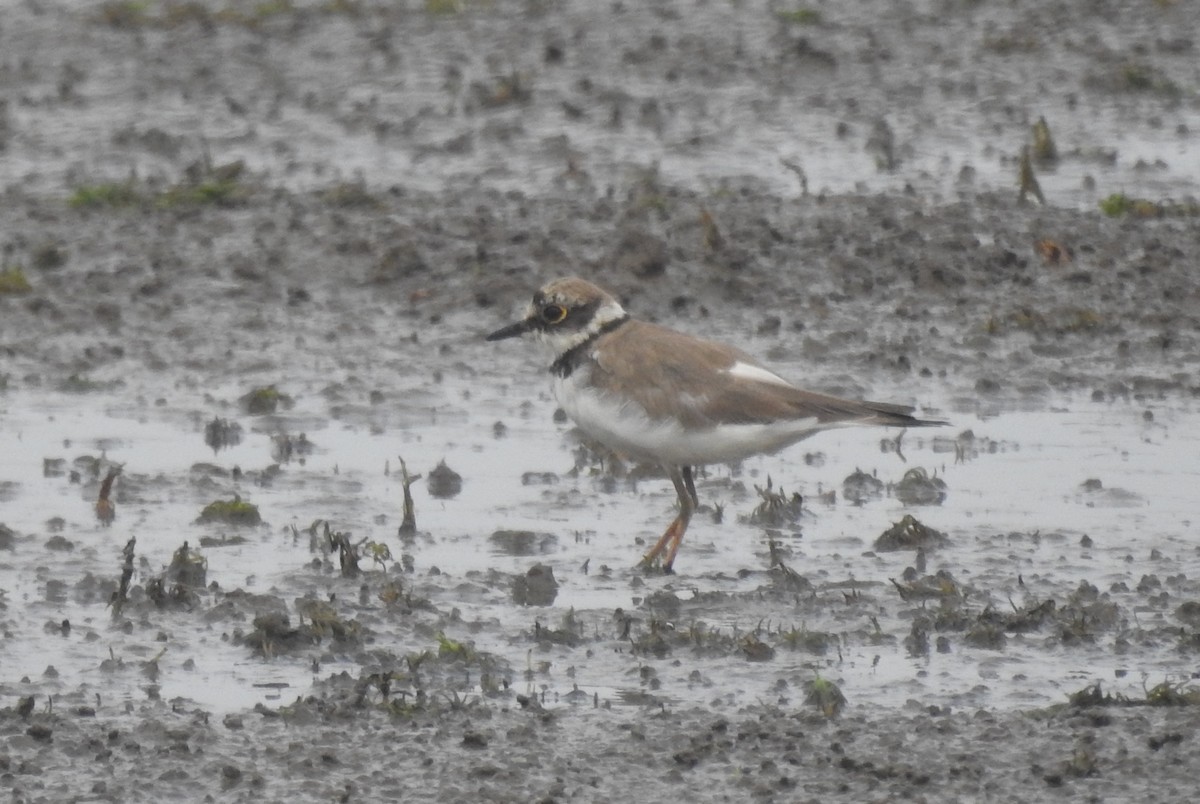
(651, 563)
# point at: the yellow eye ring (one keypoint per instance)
(553, 313)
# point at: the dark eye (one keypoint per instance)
(554, 313)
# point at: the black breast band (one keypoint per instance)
(568, 361)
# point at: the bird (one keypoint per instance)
(665, 397)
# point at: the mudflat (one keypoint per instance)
(347, 551)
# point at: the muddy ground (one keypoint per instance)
(340, 198)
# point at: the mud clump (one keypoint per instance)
(285, 448)
(1094, 493)
(664, 604)
(537, 587)
(825, 696)
(221, 433)
(443, 482)
(918, 487)
(523, 542)
(539, 478)
(986, 636)
(861, 487)
(231, 512)
(777, 508)
(274, 635)
(939, 586)
(910, 534)
(188, 567)
(8, 538)
(1187, 612)
(264, 400)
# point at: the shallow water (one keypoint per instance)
(1016, 513)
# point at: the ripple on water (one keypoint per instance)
(1088, 505)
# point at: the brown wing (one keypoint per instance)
(668, 373)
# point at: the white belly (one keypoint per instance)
(625, 427)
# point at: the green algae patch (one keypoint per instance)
(219, 185)
(453, 649)
(13, 281)
(137, 15)
(1119, 205)
(800, 16)
(825, 696)
(95, 196)
(231, 512)
(216, 192)
(1166, 693)
(263, 400)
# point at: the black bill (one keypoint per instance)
(511, 331)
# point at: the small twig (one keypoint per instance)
(800, 174)
(121, 596)
(408, 527)
(106, 512)
(1027, 180)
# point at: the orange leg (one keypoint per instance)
(673, 533)
(674, 548)
(685, 489)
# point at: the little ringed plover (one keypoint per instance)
(676, 400)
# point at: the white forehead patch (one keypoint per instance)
(746, 371)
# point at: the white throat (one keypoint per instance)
(559, 342)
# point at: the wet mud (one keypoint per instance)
(276, 524)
